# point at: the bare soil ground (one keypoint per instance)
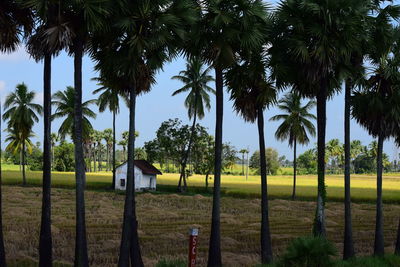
(164, 220)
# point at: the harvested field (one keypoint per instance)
(164, 221)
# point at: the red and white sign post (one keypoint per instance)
(194, 232)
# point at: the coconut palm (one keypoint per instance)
(251, 93)
(108, 138)
(64, 103)
(19, 145)
(21, 113)
(196, 83)
(130, 53)
(309, 47)
(109, 98)
(296, 125)
(225, 28)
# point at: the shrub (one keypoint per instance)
(309, 252)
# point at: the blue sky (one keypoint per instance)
(158, 105)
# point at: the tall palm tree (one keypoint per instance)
(109, 98)
(225, 27)
(22, 113)
(376, 108)
(296, 125)
(196, 83)
(309, 48)
(64, 102)
(130, 53)
(252, 93)
(17, 22)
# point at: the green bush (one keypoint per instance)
(171, 263)
(309, 252)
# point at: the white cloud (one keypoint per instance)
(19, 55)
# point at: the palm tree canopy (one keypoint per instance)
(16, 21)
(64, 103)
(297, 118)
(20, 111)
(312, 40)
(196, 82)
(227, 26)
(109, 95)
(15, 141)
(250, 87)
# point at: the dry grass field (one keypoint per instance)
(164, 220)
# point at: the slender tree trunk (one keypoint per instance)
(23, 163)
(107, 158)
(319, 224)
(348, 248)
(242, 163)
(52, 157)
(266, 246)
(294, 169)
(2, 250)
(45, 239)
(94, 158)
(81, 253)
(130, 240)
(113, 152)
(397, 249)
(379, 242)
(214, 251)
(207, 181)
(187, 153)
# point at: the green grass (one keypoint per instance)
(279, 186)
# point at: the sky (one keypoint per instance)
(158, 105)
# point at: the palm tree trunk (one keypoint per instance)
(294, 169)
(45, 239)
(379, 242)
(187, 153)
(2, 250)
(214, 251)
(348, 248)
(94, 158)
(319, 224)
(266, 246)
(81, 254)
(130, 240)
(23, 163)
(242, 163)
(113, 152)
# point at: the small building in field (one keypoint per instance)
(145, 176)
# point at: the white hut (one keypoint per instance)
(145, 176)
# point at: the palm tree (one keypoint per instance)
(309, 47)
(130, 53)
(64, 103)
(225, 27)
(54, 139)
(108, 137)
(376, 109)
(296, 125)
(109, 98)
(243, 151)
(195, 80)
(97, 137)
(252, 93)
(22, 113)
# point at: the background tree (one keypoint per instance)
(296, 125)
(21, 113)
(243, 152)
(108, 138)
(271, 158)
(195, 80)
(64, 103)
(109, 98)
